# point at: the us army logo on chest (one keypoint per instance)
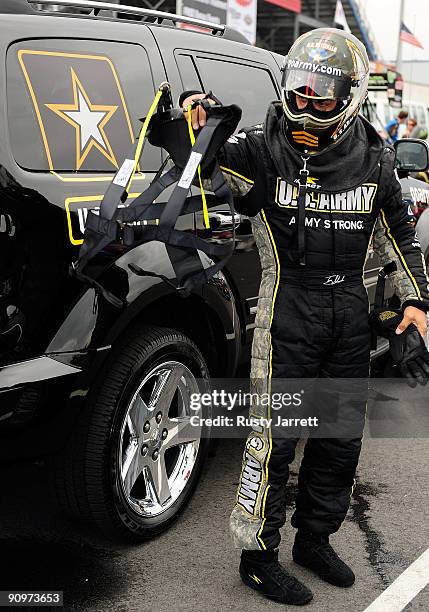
(359, 200)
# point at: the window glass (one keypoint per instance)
(387, 113)
(421, 117)
(74, 106)
(249, 87)
(188, 73)
(367, 112)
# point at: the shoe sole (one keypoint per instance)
(250, 584)
(322, 577)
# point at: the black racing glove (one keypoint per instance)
(191, 92)
(407, 350)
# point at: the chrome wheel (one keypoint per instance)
(158, 446)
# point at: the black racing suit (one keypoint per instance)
(312, 320)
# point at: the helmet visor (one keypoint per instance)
(319, 81)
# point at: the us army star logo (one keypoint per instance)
(89, 121)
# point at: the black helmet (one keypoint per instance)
(324, 64)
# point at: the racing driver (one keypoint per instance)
(316, 180)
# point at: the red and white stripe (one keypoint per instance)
(407, 36)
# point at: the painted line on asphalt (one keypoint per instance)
(404, 588)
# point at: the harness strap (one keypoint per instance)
(300, 230)
(118, 188)
(383, 273)
(152, 211)
(154, 190)
(175, 203)
(387, 165)
(302, 195)
(203, 195)
(183, 247)
(115, 222)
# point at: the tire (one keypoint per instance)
(114, 470)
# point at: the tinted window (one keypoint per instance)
(367, 112)
(75, 105)
(188, 73)
(387, 113)
(421, 117)
(250, 87)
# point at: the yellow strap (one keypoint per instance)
(143, 131)
(203, 195)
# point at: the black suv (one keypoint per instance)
(103, 389)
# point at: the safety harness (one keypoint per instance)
(381, 316)
(169, 130)
(301, 203)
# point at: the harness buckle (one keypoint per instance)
(122, 228)
(304, 172)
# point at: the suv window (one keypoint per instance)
(367, 112)
(387, 113)
(75, 105)
(250, 86)
(421, 117)
(188, 73)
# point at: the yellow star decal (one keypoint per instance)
(89, 121)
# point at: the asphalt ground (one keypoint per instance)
(193, 566)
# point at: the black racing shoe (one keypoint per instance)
(314, 552)
(261, 571)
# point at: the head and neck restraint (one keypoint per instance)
(191, 156)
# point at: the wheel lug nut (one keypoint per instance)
(164, 434)
(146, 427)
(159, 417)
(155, 455)
(144, 449)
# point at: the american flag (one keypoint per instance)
(407, 36)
